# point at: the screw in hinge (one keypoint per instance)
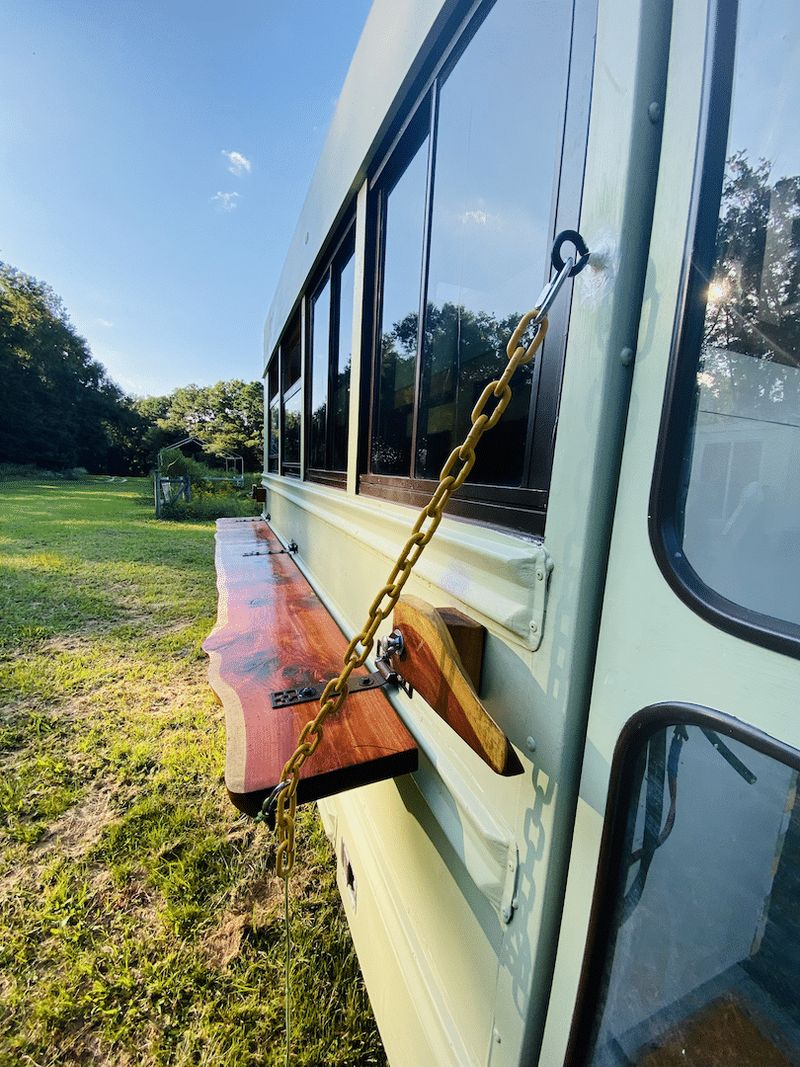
(539, 574)
(534, 628)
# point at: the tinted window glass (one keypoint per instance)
(272, 445)
(320, 317)
(291, 355)
(485, 209)
(741, 499)
(403, 230)
(340, 399)
(704, 949)
(291, 429)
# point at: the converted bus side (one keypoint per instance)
(629, 540)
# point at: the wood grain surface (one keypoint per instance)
(274, 633)
(432, 664)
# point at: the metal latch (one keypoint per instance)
(392, 645)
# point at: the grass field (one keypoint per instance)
(140, 921)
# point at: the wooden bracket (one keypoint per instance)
(442, 659)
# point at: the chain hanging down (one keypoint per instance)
(453, 475)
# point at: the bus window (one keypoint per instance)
(403, 220)
(291, 362)
(273, 405)
(330, 354)
(464, 238)
(736, 504)
(698, 958)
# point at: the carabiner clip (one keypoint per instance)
(565, 268)
(267, 813)
(551, 291)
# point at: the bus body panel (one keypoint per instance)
(653, 648)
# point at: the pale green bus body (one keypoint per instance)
(473, 892)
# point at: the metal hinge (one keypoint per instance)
(290, 548)
(383, 675)
(542, 566)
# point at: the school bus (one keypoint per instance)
(628, 539)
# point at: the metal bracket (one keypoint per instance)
(542, 567)
(290, 548)
(392, 645)
(287, 698)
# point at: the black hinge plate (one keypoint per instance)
(287, 698)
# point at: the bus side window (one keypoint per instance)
(273, 400)
(697, 928)
(734, 436)
(330, 355)
(463, 248)
(291, 395)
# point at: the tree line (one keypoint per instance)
(61, 410)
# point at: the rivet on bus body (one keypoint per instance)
(654, 112)
(534, 628)
(530, 744)
(626, 356)
(540, 575)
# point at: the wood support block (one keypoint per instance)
(432, 663)
(469, 637)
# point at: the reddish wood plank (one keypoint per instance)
(274, 633)
(431, 663)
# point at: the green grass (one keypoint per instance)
(140, 918)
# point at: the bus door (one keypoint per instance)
(680, 937)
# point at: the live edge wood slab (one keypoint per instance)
(273, 633)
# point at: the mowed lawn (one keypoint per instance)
(140, 919)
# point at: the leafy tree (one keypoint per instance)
(228, 418)
(753, 295)
(59, 407)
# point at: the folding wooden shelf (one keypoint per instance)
(273, 633)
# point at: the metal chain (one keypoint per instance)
(453, 475)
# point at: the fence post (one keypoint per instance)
(157, 491)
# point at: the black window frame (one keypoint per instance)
(343, 250)
(522, 509)
(678, 408)
(633, 736)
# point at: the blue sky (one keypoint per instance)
(115, 118)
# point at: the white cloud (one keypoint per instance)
(105, 322)
(225, 201)
(237, 163)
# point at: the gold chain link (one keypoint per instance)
(453, 475)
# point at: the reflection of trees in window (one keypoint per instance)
(391, 442)
(754, 293)
(463, 350)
